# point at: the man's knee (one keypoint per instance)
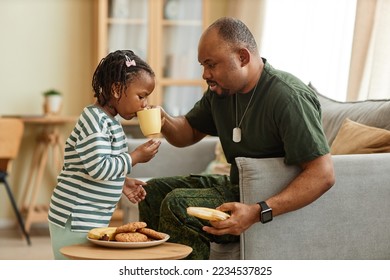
(174, 198)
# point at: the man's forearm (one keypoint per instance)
(179, 133)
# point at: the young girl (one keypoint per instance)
(96, 154)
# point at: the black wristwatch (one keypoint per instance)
(265, 212)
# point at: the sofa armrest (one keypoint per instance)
(350, 221)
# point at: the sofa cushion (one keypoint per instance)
(374, 113)
(356, 138)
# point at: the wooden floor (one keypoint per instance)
(14, 247)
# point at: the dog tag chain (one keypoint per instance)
(237, 130)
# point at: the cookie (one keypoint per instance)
(207, 213)
(151, 233)
(131, 237)
(130, 227)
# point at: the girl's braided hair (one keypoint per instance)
(117, 69)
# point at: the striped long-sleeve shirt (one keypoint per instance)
(95, 165)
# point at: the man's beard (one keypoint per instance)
(224, 93)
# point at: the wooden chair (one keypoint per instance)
(11, 132)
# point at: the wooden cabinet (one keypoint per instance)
(163, 32)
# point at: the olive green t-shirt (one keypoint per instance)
(283, 120)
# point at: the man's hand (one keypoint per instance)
(242, 216)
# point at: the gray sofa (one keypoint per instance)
(350, 221)
(172, 161)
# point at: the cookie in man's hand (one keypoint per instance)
(207, 213)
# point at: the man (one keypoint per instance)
(257, 112)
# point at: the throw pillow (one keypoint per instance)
(356, 138)
(374, 113)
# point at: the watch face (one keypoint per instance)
(267, 216)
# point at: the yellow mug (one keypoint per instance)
(150, 121)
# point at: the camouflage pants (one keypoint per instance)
(164, 209)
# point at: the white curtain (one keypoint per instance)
(375, 83)
(364, 22)
(311, 39)
(342, 47)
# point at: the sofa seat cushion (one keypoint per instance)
(356, 138)
(374, 113)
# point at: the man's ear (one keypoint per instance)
(244, 56)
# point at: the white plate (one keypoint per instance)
(117, 244)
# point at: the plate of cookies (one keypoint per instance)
(130, 235)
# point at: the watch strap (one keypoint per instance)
(263, 206)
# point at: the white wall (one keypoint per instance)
(44, 44)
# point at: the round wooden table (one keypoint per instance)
(89, 251)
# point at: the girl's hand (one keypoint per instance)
(145, 152)
(133, 190)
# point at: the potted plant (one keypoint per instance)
(53, 102)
